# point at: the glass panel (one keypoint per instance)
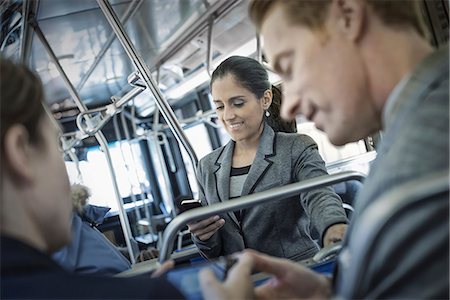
(328, 151)
(199, 138)
(128, 168)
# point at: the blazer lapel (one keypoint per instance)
(262, 162)
(222, 176)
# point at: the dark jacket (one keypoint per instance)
(89, 251)
(30, 274)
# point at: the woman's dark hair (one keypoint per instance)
(253, 76)
(21, 97)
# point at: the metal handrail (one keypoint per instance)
(278, 193)
(146, 76)
(132, 8)
(98, 117)
(131, 243)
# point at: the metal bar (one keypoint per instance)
(145, 73)
(29, 10)
(131, 10)
(132, 248)
(209, 51)
(128, 96)
(258, 48)
(275, 194)
(195, 29)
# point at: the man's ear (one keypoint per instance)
(349, 17)
(18, 153)
(267, 99)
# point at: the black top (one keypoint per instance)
(28, 273)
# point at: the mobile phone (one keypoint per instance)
(186, 278)
(186, 205)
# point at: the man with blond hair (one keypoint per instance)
(354, 67)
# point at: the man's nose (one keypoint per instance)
(291, 104)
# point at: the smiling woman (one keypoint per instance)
(256, 159)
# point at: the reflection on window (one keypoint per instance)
(128, 167)
(199, 139)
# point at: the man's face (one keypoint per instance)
(324, 74)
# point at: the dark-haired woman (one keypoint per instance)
(257, 159)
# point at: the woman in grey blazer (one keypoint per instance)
(257, 159)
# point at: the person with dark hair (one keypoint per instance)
(274, 119)
(355, 67)
(257, 159)
(36, 207)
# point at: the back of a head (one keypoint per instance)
(80, 195)
(252, 75)
(313, 13)
(21, 97)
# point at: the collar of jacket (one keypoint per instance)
(261, 164)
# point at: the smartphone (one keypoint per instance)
(186, 278)
(186, 205)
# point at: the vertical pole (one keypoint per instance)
(131, 243)
(145, 73)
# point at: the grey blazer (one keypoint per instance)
(279, 228)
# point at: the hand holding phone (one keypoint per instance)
(186, 205)
(204, 229)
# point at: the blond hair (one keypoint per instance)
(80, 195)
(312, 13)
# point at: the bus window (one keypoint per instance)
(329, 152)
(128, 167)
(199, 138)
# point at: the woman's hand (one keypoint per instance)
(335, 233)
(204, 229)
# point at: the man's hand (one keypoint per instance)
(335, 233)
(204, 229)
(166, 266)
(290, 280)
(237, 286)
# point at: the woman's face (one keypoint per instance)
(240, 112)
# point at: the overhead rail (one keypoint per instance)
(219, 7)
(146, 76)
(200, 117)
(129, 13)
(93, 120)
(71, 139)
(280, 193)
(130, 242)
(29, 10)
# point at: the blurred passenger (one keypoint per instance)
(255, 160)
(89, 251)
(355, 67)
(36, 207)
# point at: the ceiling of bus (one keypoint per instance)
(77, 30)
